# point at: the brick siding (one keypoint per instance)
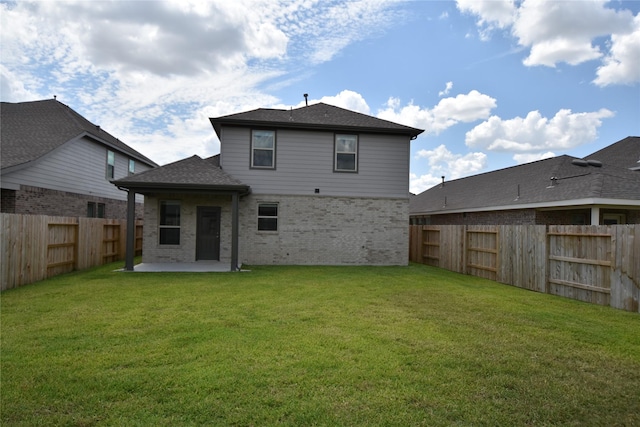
(41, 201)
(311, 230)
(523, 217)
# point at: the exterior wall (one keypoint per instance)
(41, 201)
(152, 251)
(321, 230)
(571, 217)
(524, 217)
(77, 167)
(520, 217)
(304, 162)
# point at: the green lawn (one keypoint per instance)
(311, 346)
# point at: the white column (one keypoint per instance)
(595, 215)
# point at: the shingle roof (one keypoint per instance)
(531, 183)
(316, 116)
(193, 172)
(624, 153)
(29, 130)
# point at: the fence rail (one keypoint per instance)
(597, 264)
(35, 247)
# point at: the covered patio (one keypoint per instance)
(193, 176)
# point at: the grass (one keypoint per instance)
(311, 346)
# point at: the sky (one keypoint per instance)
(493, 83)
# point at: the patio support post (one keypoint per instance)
(131, 230)
(234, 231)
(595, 215)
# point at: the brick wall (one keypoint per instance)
(42, 201)
(516, 217)
(152, 251)
(311, 230)
(523, 217)
(327, 231)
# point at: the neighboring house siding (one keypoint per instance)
(78, 166)
(326, 231)
(304, 163)
(42, 201)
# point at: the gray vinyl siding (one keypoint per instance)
(78, 166)
(305, 161)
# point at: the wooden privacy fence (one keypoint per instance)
(598, 264)
(35, 247)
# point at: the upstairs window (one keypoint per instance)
(111, 164)
(263, 149)
(132, 166)
(346, 153)
(169, 226)
(268, 217)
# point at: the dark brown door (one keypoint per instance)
(208, 233)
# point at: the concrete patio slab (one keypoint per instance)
(191, 267)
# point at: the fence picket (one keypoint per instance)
(35, 247)
(597, 264)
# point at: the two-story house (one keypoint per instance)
(56, 162)
(313, 185)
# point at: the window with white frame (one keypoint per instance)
(346, 153)
(263, 149)
(132, 166)
(111, 164)
(169, 224)
(268, 216)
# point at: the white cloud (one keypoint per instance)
(443, 162)
(491, 14)
(622, 65)
(447, 113)
(566, 31)
(418, 184)
(527, 158)
(146, 70)
(446, 90)
(535, 134)
(348, 99)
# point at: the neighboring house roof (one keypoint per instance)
(193, 173)
(317, 116)
(624, 153)
(595, 179)
(30, 130)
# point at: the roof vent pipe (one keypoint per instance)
(306, 101)
(442, 185)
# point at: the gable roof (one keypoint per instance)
(317, 117)
(530, 185)
(192, 173)
(30, 130)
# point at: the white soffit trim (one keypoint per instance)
(577, 203)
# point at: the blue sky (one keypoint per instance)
(493, 84)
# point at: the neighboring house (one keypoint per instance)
(312, 185)
(602, 188)
(55, 162)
